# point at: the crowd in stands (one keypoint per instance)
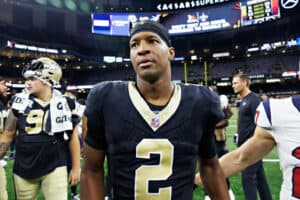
(272, 66)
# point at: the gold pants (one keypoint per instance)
(54, 186)
(220, 134)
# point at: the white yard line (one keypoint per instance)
(270, 160)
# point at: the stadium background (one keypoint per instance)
(266, 48)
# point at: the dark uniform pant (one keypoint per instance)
(253, 180)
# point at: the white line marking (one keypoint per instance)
(270, 160)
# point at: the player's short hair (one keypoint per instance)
(154, 27)
(243, 77)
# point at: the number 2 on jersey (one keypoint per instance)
(159, 172)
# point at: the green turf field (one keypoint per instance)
(271, 168)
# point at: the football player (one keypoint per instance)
(42, 117)
(3, 114)
(153, 131)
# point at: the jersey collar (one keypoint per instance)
(155, 121)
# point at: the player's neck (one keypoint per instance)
(44, 95)
(245, 92)
(158, 93)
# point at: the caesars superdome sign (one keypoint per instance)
(287, 7)
(180, 5)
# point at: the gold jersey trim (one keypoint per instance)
(155, 121)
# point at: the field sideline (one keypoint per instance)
(271, 165)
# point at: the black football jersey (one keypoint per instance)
(37, 153)
(152, 154)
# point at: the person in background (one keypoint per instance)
(220, 135)
(42, 116)
(253, 177)
(264, 97)
(12, 146)
(153, 131)
(3, 115)
(78, 111)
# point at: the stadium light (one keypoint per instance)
(221, 54)
(273, 80)
(252, 49)
(42, 2)
(56, 3)
(85, 6)
(194, 57)
(70, 4)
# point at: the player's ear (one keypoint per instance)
(44, 83)
(171, 53)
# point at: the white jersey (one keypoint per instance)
(224, 101)
(79, 109)
(282, 118)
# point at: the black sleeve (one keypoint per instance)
(95, 120)
(72, 105)
(75, 119)
(225, 113)
(14, 111)
(207, 148)
(254, 104)
(216, 112)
